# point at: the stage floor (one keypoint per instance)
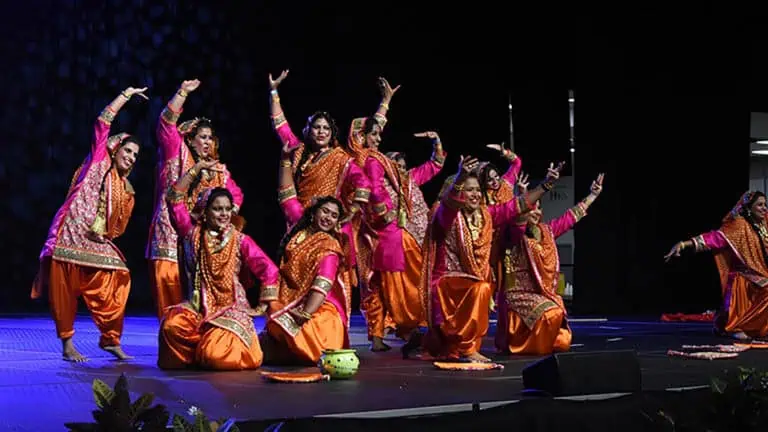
(40, 392)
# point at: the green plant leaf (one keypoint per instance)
(201, 423)
(102, 393)
(180, 424)
(140, 405)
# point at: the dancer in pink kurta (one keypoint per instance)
(399, 218)
(532, 316)
(79, 258)
(456, 272)
(214, 328)
(310, 312)
(179, 149)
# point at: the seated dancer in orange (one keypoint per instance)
(320, 166)
(740, 253)
(214, 329)
(310, 312)
(399, 221)
(456, 270)
(179, 149)
(499, 190)
(532, 316)
(78, 257)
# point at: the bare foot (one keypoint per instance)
(117, 351)
(477, 357)
(69, 353)
(378, 345)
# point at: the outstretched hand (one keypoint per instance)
(386, 90)
(674, 252)
(523, 182)
(428, 134)
(190, 85)
(597, 185)
(130, 91)
(274, 83)
(467, 164)
(553, 172)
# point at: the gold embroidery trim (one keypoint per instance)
(380, 209)
(86, 258)
(169, 115)
(438, 157)
(175, 196)
(279, 120)
(107, 115)
(287, 322)
(362, 195)
(390, 216)
(699, 244)
(235, 327)
(269, 292)
(322, 285)
(284, 195)
(380, 119)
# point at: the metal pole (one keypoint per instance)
(511, 127)
(571, 103)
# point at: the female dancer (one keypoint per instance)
(179, 149)
(532, 316)
(739, 247)
(310, 311)
(456, 263)
(214, 329)
(78, 257)
(400, 222)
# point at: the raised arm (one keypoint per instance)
(429, 169)
(177, 195)
(562, 224)
(286, 190)
(507, 213)
(386, 97)
(168, 135)
(279, 122)
(105, 119)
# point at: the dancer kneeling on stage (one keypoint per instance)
(214, 328)
(739, 247)
(456, 263)
(532, 316)
(310, 311)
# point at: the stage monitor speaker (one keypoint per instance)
(582, 373)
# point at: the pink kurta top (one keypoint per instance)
(174, 160)
(67, 237)
(389, 254)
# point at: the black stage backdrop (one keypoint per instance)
(660, 107)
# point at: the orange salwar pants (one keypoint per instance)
(748, 308)
(398, 295)
(324, 331)
(548, 335)
(105, 293)
(183, 342)
(164, 284)
(464, 305)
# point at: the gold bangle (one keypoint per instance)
(384, 105)
(125, 95)
(183, 93)
(285, 163)
(192, 172)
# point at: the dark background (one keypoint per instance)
(662, 106)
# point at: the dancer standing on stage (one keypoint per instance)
(399, 217)
(79, 258)
(741, 257)
(179, 149)
(532, 316)
(310, 312)
(499, 190)
(214, 328)
(456, 272)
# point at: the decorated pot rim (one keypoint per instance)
(339, 351)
